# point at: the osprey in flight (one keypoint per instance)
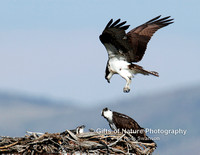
(126, 48)
(123, 123)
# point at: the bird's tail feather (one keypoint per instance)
(139, 69)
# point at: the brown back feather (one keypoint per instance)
(127, 123)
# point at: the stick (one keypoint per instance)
(7, 146)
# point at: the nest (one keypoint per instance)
(68, 142)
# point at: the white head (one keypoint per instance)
(108, 114)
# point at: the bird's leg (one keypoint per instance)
(127, 86)
(127, 75)
(109, 76)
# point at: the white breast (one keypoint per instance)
(118, 64)
(108, 115)
(81, 130)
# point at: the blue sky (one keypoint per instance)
(51, 48)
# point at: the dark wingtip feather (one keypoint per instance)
(168, 20)
(161, 21)
(120, 24)
(165, 21)
(153, 19)
(109, 23)
(115, 23)
(125, 27)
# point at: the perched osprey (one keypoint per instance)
(123, 123)
(125, 48)
(79, 129)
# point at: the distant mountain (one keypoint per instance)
(176, 109)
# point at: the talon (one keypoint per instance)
(126, 90)
(108, 80)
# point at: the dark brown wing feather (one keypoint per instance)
(114, 33)
(133, 44)
(124, 122)
(128, 124)
(140, 36)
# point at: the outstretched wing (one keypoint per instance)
(140, 36)
(114, 38)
